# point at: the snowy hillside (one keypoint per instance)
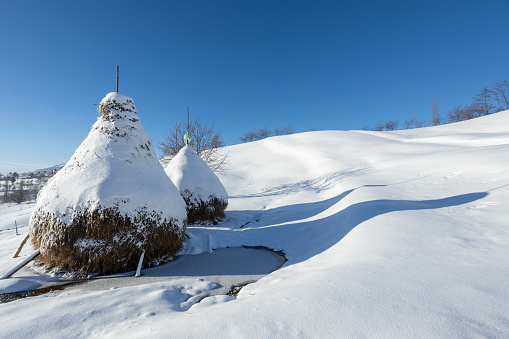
(387, 234)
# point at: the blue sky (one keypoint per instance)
(239, 64)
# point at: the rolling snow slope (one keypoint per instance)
(387, 234)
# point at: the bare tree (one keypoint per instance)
(6, 188)
(205, 141)
(389, 125)
(413, 122)
(263, 133)
(463, 112)
(284, 130)
(256, 134)
(19, 195)
(435, 112)
(13, 176)
(482, 102)
(500, 92)
(32, 192)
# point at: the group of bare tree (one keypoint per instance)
(392, 125)
(263, 133)
(204, 140)
(489, 100)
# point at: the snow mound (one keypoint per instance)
(205, 195)
(111, 200)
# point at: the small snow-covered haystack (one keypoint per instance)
(111, 201)
(205, 195)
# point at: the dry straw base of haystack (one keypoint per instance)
(211, 211)
(103, 241)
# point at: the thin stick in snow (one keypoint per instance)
(16, 223)
(21, 246)
(138, 271)
(20, 265)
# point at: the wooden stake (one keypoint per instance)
(138, 271)
(21, 246)
(117, 78)
(20, 265)
(15, 223)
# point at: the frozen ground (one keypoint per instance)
(224, 267)
(387, 234)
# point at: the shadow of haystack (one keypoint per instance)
(301, 233)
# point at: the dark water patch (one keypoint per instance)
(56, 287)
(235, 289)
(8, 297)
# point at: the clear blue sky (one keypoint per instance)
(241, 64)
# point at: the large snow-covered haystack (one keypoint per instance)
(205, 195)
(111, 201)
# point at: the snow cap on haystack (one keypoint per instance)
(111, 201)
(205, 195)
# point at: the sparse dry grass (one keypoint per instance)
(209, 211)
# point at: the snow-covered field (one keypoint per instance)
(387, 234)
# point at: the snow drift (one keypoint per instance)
(111, 201)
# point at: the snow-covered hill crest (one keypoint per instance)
(387, 234)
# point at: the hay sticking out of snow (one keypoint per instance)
(211, 210)
(103, 240)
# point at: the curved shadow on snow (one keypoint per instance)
(316, 236)
(287, 213)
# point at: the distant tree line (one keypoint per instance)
(263, 133)
(489, 100)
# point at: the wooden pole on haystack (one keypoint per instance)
(117, 78)
(187, 137)
(21, 246)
